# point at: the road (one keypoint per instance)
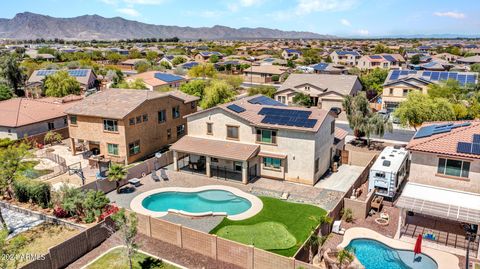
(401, 135)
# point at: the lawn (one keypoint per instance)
(272, 228)
(116, 259)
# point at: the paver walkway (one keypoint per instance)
(18, 222)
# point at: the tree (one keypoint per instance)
(12, 72)
(475, 68)
(312, 244)
(152, 56)
(51, 137)
(217, 92)
(204, 70)
(137, 84)
(380, 48)
(266, 90)
(302, 99)
(127, 227)
(12, 165)
(450, 90)
(10, 248)
(374, 79)
(194, 87)
(165, 65)
(142, 66)
(61, 84)
(178, 60)
(117, 173)
(114, 57)
(362, 120)
(344, 257)
(134, 54)
(415, 59)
(5, 92)
(234, 81)
(214, 59)
(290, 64)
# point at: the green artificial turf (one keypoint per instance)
(298, 219)
(116, 259)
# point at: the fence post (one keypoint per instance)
(179, 236)
(214, 246)
(149, 226)
(250, 257)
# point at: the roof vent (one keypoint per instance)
(386, 163)
(397, 147)
(383, 158)
(391, 155)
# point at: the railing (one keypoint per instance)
(57, 170)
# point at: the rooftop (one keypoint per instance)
(342, 84)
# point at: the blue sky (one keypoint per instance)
(361, 18)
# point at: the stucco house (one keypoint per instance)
(290, 54)
(204, 56)
(345, 57)
(156, 80)
(384, 61)
(264, 73)
(259, 137)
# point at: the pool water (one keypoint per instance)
(376, 255)
(197, 202)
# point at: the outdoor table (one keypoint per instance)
(134, 181)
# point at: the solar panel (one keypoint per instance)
(375, 56)
(236, 108)
(263, 100)
(464, 147)
(476, 148)
(435, 76)
(443, 75)
(437, 129)
(389, 58)
(476, 138)
(452, 75)
(404, 72)
(427, 74)
(298, 118)
(167, 77)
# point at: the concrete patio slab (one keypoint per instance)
(342, 180)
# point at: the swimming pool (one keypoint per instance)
(210, 200)
(376, 255)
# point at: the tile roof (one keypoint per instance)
(342, 84)
(84, 80)
(151, 78)
(266, 69)
(446, 143)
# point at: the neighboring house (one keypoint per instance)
(127, 125)
(329, 68)
(259, 137)
(23, 117)
(34, 84)
(444, 182)
(264, 73)
(345, 57)
(409, 54)
(189, 65)
(169, 59)
(384, 61)
(469, 60)
(325, 91)
(130, 63)
(400, 82)
(204, 56)
(156, 80)
(272, 61)
(291, 54)
(447, 57)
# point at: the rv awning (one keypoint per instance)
(439, 202)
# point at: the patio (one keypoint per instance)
(342, 180)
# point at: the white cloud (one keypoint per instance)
(450, 14)
(363, 32)
(129, 12)
(309, 6)
(345, 22)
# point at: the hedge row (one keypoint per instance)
(27, 190)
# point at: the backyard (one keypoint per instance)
(281, 227)
(116, 259)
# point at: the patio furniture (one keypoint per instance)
(134, 181)
(154, 176)
(99, 176)
(337, 227)
(377, 202)
(163, 174)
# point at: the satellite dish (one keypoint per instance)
(158, 155)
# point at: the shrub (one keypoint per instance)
(60, 212)
(32, 191)
(347, 215)
(109, 210)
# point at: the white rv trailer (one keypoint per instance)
(388, 171)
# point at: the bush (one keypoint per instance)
(60, 212)
(5, 142)
(32, 191)
(347, 215)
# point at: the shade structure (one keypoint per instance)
(418, 245)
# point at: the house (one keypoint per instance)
(447, 57)
(168, 59)
(384, 61)
(400, 82)
(444, 183)
(264, 73)
(24, 117)
(329, 68)
(204, 56)
(34, 84)
(326, 91)
(291, 54)
(469, 60)
(126, 125)
(258, 137)
(272, 61)
(156, 80)
(189, 65)
(345, 57)
(130, 63)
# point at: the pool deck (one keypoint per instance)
(444, 260)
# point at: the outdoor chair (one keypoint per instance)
(163, 174)
(154, 176)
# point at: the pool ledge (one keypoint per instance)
(443, 259)
(257, 205)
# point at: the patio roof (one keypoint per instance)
(439, 202)
(216, 148)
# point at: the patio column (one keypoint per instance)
(175, 160)
(207, 166)
(245, 172)
(73, 147)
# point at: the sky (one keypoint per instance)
(343, 18)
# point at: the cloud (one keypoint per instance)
(129, 12)
(309, 6)
(363, 32)
(345, 22)
(450, 14)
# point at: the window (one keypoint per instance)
(272, 162)
(162, 116)
(266, 136)
(193, 105)
(145, 117)
(180, 130)
(456, 168)
(332, 127)
(112, 149)
(405, 92)
(169, 134)
(139, 119)
(238, 166)
(134, 148)
(110, 125)
(65, 121)
(131, 121)
(51, 125)
(214, 160)
(317, 165)
(232, 132)
(73, 119)
(209, 128)
(391, 91)
(380, 175)
(176, 112)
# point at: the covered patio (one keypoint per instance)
(216, 158)
(440, 216)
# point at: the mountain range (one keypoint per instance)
(29, 25)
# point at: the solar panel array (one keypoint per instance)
(263, 100)
(236, 108)
(167, 77)
(376, 57)
(470, 148)
(437, 129)
(462, 78)
(389, 58)
(73, 72)
(287, 117)
(320, 66)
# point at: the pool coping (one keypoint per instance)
(257, 205)
(443, 259)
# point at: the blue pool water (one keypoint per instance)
(197, 202)
(376, 255)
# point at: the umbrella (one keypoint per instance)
(418, 245)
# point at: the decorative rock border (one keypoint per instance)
(257, 205)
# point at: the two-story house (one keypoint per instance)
(383, 61)
(204, 56)
(158, 81)
(345, 57)
(442, 195)
(126, 125)
(258, 136)
(291, 54)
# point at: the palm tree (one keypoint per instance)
(323, 220)
(116, 173)
(312, 243)
(344, 257)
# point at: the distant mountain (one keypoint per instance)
(32, 26)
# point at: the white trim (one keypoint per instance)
(138, 250)
(256, 203)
